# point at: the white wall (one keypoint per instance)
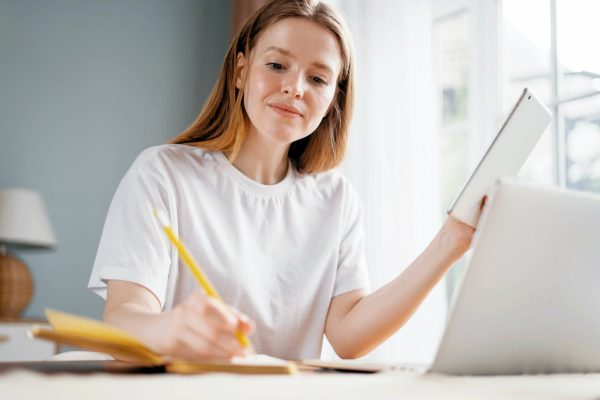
(85, 86)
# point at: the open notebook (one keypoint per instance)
(89, 334)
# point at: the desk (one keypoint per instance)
(392, 385)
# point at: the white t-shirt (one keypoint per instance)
(278, 253)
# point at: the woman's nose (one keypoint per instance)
(293, 86)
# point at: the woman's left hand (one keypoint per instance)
(454, 238)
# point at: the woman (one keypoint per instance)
(249, 186)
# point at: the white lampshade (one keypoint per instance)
(23, 219)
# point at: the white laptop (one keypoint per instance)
(529, 301)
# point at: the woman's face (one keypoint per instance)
(292, 79)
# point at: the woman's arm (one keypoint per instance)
(357, 322)
(199, 328)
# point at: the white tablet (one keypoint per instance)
(506, 155)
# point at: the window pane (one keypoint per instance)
(451, 59)
(577, 32)
(582, 128)
(451, 63)
(525, 49)
(526, 39)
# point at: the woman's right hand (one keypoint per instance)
(200, 328)
(203, 328)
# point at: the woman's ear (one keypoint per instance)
(240, 69)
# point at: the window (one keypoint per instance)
(548, 45)
(485, 53)
(452, 71)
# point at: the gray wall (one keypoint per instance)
(85, 85)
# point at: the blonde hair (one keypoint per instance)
(223, 123)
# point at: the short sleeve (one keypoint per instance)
(352, 270)
(133, 247)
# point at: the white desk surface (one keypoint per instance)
(391, 385)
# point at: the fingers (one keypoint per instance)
(217, 313)
(205, 328)
(210, 344)
(245, 325)
(205, 337)
(216, 320)
(227, 318)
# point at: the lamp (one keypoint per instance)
(23, 224)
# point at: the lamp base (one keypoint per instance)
(16, 286)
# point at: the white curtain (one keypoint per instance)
(392, 160)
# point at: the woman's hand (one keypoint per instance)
(200, 328)
(203, 328)
(454, 238)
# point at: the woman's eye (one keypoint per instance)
(275, 66)
(319, 81)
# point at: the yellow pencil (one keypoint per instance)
(195, 268)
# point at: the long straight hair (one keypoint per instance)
(223, 122)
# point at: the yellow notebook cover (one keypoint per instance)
(90, 334)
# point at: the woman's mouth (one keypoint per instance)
(285, 110)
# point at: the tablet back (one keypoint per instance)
(504, 157)
(529, 300)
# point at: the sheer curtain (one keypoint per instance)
(392, 159)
